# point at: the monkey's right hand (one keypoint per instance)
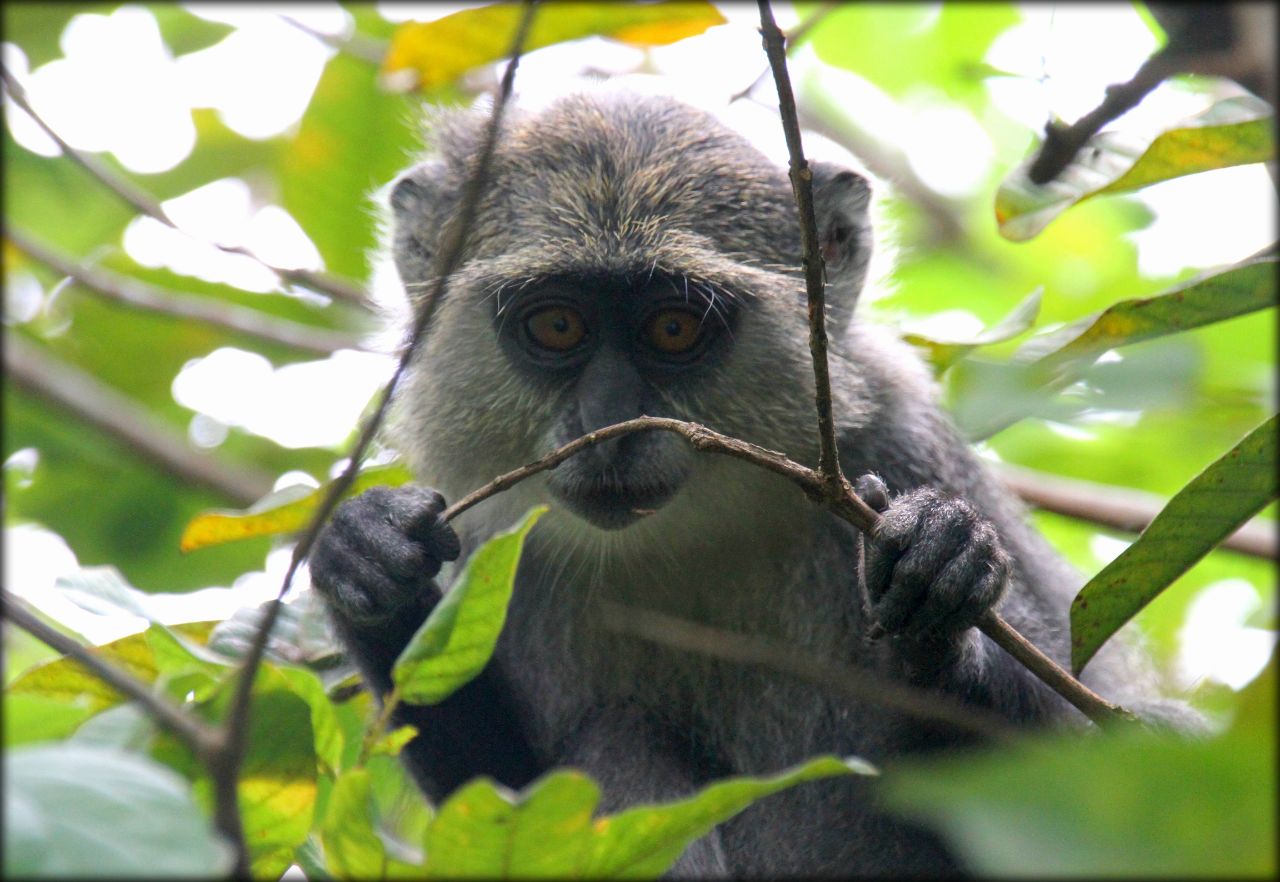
(377, 557)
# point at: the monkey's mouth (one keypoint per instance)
(609, 504)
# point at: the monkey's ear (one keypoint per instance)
(418, 204)
(841, 199)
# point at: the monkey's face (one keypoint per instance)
(628, 259)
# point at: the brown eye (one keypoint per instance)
(673, 331)
(558, 328)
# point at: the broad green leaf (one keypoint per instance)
(455, 642)
(329, 740)
(1215, 297)
(75, 810)
(284, 511)
(644, 842)
(1211, 507)
(278, 780)
(352, 849)
(128, 727)
(944, 352)
(1124, 803)
(994, 396)
(30, 717)
(484, 831)
(440, 51)
(1234, 131)
(66, 679)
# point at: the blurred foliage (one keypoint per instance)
(1150, 415)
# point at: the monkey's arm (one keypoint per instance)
(374, 564)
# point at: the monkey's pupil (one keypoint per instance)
(674, 327)
(561, 324)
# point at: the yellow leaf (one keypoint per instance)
(441, 51)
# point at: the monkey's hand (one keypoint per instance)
(375, 561)
(934, 568)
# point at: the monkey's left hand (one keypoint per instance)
(935, 567)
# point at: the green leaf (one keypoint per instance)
(65, 679)
(1234, 131)
(278, 781)
(455, 642)
(30, 717)
(352, 849)
(944, 352)
(1124, 803)
(75, 810)
(644, 842)
(1211, 507)
(484, 831)
(285, 511)
(1215, 297)
(547, 831)
(328, 738)
(991, 397)
(440, 51)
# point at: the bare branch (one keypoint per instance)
(1120, 507)
(757, 651)
(191, 730)
(235, 724)
(107, 409)
(145, 204)
(848, 506)
(1062, 143)
(356, 45)
(140, 295)
(814, 270)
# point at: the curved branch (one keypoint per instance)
(847, 506)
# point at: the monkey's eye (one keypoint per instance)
(558, 328)
(673, 331)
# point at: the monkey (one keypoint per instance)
(631, 255)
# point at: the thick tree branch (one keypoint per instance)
(140, 295)
(1120, 507)
(192, 731)
(144, 203)
(91, 400)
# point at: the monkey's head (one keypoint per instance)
(630, 256)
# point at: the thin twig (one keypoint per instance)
(1120, 507)
(848, 506)
(759, 651)
(450, 256)
(91, 400)
(814, 270)
(192, 731)
(1062, 143)
(141, 295)
(794, 37)
(145, 203)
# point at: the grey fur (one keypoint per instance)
(603, 185)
